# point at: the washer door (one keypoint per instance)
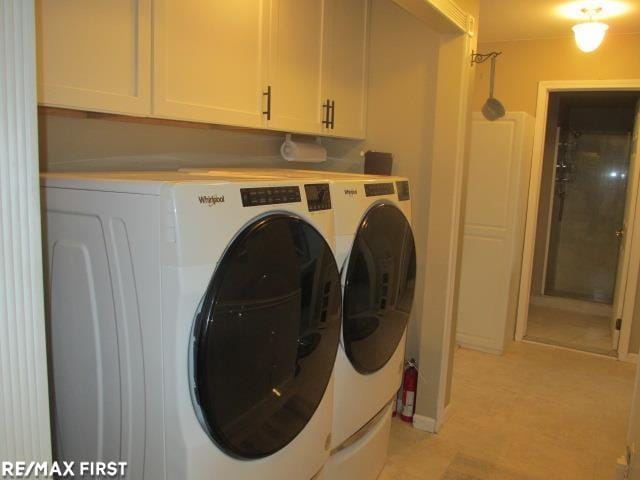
(378, 292)
(266, 336)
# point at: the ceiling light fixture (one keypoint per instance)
(589, 34)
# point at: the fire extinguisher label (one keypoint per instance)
(407, 408)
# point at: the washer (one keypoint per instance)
(376, 251)
(194, 323)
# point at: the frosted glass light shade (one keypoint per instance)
(589, 35)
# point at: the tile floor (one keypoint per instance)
(535, 413)
(569, 328)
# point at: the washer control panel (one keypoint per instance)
(252, 197)
(377, 189)
(318, 196)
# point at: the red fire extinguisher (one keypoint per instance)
(409, 388)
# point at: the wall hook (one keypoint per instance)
(482, 57)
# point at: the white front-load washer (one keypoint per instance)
(194, 323)
(376, 252)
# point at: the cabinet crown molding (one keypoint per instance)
(444, 16)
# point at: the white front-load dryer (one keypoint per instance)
(194, 323)
(376, 252)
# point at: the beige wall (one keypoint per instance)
(525, 63)
(74, 143)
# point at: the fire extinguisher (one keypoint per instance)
(409, 388)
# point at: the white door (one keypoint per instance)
(345, 71)
(548, 184)
(94, 55)
(295, 65)
(209, 60)
(494, 217)
(625, 236)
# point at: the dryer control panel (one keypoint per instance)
(252, 197)
(318, 196)
(377, 189)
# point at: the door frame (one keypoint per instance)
(545, 88)
(551, 200)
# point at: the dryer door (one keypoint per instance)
(266, 336)
(379, 285)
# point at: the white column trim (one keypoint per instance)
(24, 399)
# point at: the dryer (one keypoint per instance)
(376, 252)
(194, 323)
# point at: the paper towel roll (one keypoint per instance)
(302, 151)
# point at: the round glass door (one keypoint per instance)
(266, 337)
(379, 286)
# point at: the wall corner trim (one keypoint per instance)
(25, 432)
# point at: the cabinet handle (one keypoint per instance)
(333, 114)
(267, 94)
(326, 110)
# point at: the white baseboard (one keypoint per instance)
(631, 358)
(430, 424)
(481, 344)
(427, 424)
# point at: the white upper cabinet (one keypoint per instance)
(345, 77)
(209, 59)
(94, 55)
(295, 65)
(291, 65)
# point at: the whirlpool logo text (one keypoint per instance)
(210, 200)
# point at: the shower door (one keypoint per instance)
(587, 215)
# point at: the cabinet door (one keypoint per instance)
(346, 76)
(496, 202)
(208, 60)
(295, 65)
(94, 55)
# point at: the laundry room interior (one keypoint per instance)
(320, 239)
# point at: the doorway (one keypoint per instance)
(586, 194)
(587, 211)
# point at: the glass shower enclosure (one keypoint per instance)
(587, 214)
